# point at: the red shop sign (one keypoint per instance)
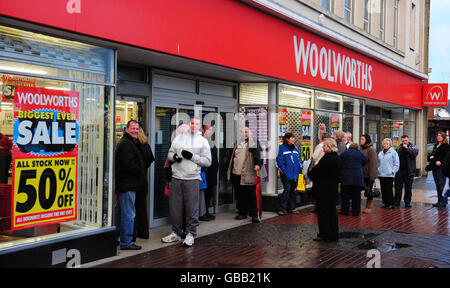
(230, 34)
(435, 94)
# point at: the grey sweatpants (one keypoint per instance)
(184, 201)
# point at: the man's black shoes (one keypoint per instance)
(131, 247)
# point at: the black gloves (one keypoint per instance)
(186, 154)
(177, 158)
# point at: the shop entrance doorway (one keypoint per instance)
(129, 108)
(168, 121)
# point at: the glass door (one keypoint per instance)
(128, 108)
(226, 133)
(165, 124)
(168, 122)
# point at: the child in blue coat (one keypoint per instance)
(290, 164)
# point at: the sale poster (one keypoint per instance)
(282, 117)
(45, 156)
(335, 123)
(306, 135)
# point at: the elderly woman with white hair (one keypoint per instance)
(388, 165)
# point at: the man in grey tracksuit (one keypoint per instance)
(189, 152)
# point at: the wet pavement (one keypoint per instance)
(416, 237)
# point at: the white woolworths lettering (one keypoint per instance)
(356, 73)
(323, 66)
(42, 135)
(47, 99)
(316, 59)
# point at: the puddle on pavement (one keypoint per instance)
(347, 235)
(382, 247)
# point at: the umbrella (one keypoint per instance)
(258, 195)
(261, 174)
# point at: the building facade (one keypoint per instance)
(75, 72)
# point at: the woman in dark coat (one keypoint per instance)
(141, 225)
(370, 169)
(352, 162)
(210, 175)
(326, 175)
(436, 159)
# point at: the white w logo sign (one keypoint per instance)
(435, 93)
(435, 96)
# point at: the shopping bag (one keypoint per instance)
(203, 184)
(301, 183)
(167, 189)
(447, 193)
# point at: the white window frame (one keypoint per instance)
(348, 10)
(382, 19)
(395, 34)
(366, 15)
(329, 5)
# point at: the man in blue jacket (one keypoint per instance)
(290, 164)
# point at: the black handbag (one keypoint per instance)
(429, 167)
(372, 192)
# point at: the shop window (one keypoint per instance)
(327, 101)
(352, 106)
(354, 125)
(37, 54)
(59, 181)
(295, 96)
(326, 122)
(299, 122)
(254, 94)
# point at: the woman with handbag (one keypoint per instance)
(436, 158)
(369, 170)
(388, 165)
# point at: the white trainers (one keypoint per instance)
(189, 240)
(173, 237)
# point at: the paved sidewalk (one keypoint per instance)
(416, 237)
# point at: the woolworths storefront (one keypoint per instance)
(70, 76)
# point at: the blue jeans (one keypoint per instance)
(126, 217)
(439, 180)
(287, 201)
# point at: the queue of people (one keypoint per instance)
(356, 166)
(338, 167)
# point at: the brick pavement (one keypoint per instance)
(417, 237)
